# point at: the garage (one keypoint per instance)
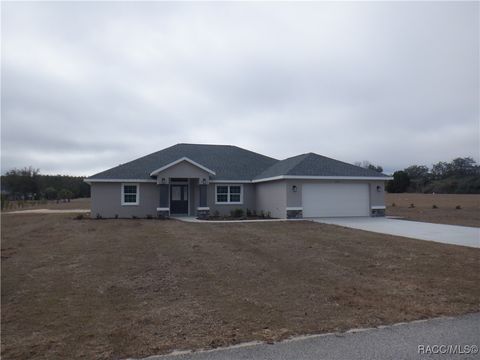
(335, 199)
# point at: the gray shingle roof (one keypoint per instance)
(312, 164)
(234, 163)
(228, 162)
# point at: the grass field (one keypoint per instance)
(103, 289)
(445, 213)
(81, 203)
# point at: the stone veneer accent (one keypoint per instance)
(377, 212)
(294, 214)
(163, 214)
(203, 214)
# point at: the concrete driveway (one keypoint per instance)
(447, 234)
(416, 341)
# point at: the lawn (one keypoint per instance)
(103, 289)
(446, 211)
(80, 203)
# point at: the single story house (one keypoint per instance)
(198, 180)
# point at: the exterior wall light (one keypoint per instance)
(294, 188)
(163, 180)
(379, 188)
(204, 181)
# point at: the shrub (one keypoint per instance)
(268, 215)
(434, 206)
(116, 216)
(149, 217)
(262, 214)
(78, 217)
(134, 217)
(249, 213)
(98, 217)
(458, 207)
(411, 206)
(393, 205)
(254, 212)
(236, 213)
(216, 213)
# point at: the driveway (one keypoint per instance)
(447, 234)
(401, 341)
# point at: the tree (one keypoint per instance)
(368, 165)
(65, 194)
(22, 182)
(400, 182)
(417, 172)
(50, 193)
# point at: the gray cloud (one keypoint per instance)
(86, 86)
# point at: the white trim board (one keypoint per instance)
(88, 181)
(203, 208)
(155, 172)
(379, 207)
(293, 208)
(301, 177)
(163, 209)
(230, 181)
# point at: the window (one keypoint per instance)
(130, 194)
(229, 194)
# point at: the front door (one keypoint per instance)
(179, 199)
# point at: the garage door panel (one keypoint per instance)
(333, 199)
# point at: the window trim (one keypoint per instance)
(136, 203)
(228, 202)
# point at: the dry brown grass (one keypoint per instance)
(81, 203)
(445, 213)
(107, 289)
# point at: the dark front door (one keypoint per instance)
(179, 199)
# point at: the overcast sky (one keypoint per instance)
(86, 86)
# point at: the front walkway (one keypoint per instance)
(447, 234)
(401, 341)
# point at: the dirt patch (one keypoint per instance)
(436, 208)
(131, 288)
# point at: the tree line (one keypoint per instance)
(29, 184)
(459, 176)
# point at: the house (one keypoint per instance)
(198, 180)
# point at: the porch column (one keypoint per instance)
(163, 210)
(203, 209)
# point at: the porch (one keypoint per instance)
(183, 197)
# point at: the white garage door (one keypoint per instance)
(330, 200)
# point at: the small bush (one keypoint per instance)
(134, 217)
(236, 213)
(434, 206)
(149, 217)
(411, 206)
(249, 213)
(216, 213)
(98, 217)
(393, 205)
(458, 207)
(262, 214)
(268, 215)
(78, 217)
(254, 212)
(116, 216)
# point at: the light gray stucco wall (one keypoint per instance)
(107, 202)
(224, 209)
(377, 198)
(294, 199)
(272, 197)
(183, 170)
